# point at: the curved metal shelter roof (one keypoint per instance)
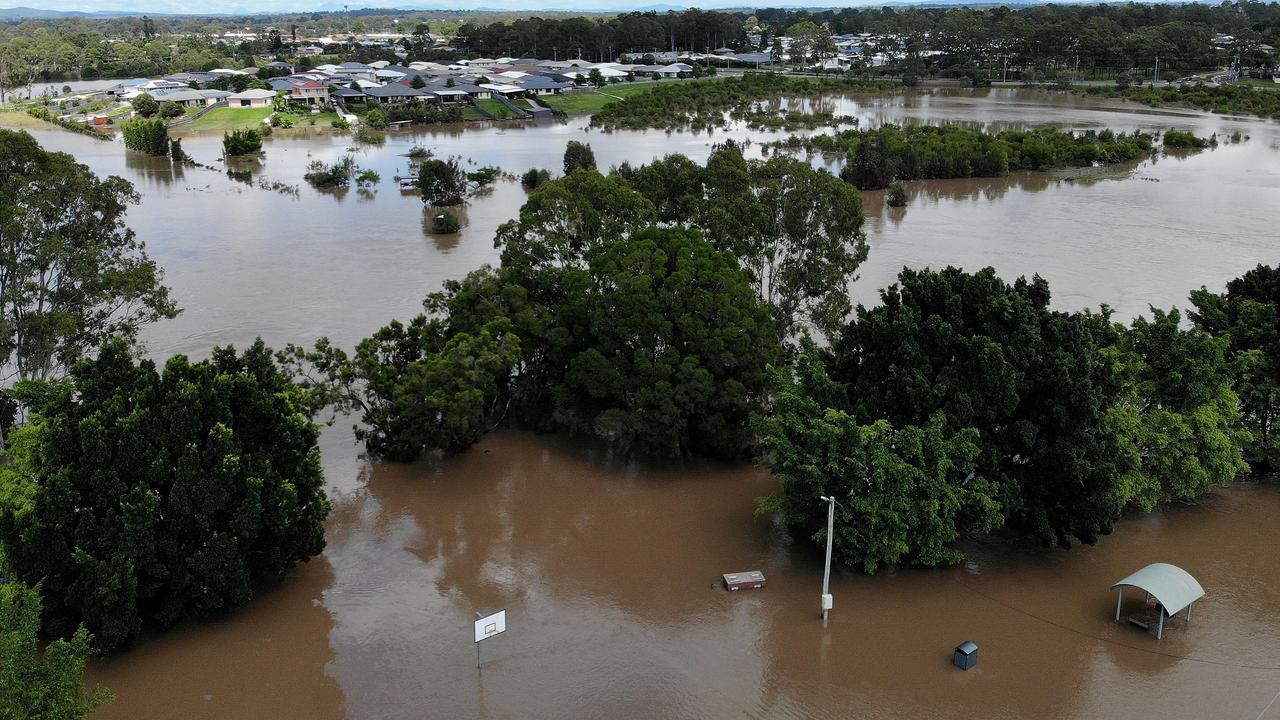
(1172, 586)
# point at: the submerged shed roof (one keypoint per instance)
(1172, 586)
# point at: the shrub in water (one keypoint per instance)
(897, 194)
(445, 222)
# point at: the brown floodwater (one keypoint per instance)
(608, 572)
(608, 567)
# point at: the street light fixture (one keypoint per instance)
(826, 573)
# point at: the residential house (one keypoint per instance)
(542, 85)
(395, 94)
(348, 95)
(311, 92)
(359, 71)
(285, 83)
(505, 90)
(460, 90)
(191, 98)
(252, 98)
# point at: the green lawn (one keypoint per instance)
(470, 113)
(226, 118)
(496, 109)
(322, 119)
(1260, 84)
(591, 101)
(20, 120)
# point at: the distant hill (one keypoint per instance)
(30, 13)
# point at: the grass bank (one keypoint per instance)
(496, 109)
(584, 103)
(1226, 99)
(18, 120)
(226, 118)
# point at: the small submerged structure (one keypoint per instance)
(750, 580)
(1173, 588)
(966, 655)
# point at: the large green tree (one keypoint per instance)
(40, 683)
(578, 156)
(417, 387)
(1247, 317)
(662, 345)
(904, 494)
(1034, 382)
(797, 230)
(72, 274)
(441, 182)
(148, 496)
(1178, 418)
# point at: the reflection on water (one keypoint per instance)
(608, 569)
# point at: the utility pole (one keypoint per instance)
(826, 573)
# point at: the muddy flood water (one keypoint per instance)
(608, 567)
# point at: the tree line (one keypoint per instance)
(132, 496)
(604, 38)
(1115, 36)
(605, 318)
(875, 158)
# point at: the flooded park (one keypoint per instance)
(608, 567)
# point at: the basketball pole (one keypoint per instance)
(478, 616)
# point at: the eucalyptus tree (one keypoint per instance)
(72, 273)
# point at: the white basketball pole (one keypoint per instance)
(826, 573)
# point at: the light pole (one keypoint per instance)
(826, 573)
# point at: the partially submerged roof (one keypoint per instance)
(1172, 586)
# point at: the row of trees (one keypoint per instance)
(963, 403)
(604, 38)
(876, 158)
(1087, 36)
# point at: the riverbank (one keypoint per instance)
(19, 120)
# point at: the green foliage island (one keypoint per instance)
(1226, 99)
(876, 158)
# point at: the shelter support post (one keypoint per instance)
(1189, 612)
(1119, 602)
(1160, 628)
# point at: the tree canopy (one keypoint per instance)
(1247, 318)
(72, 274)
(38, 684)
(139, 495)
(578, 156)
(993, 356)
(660, 345)
(903, 493)
(1178, 419)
